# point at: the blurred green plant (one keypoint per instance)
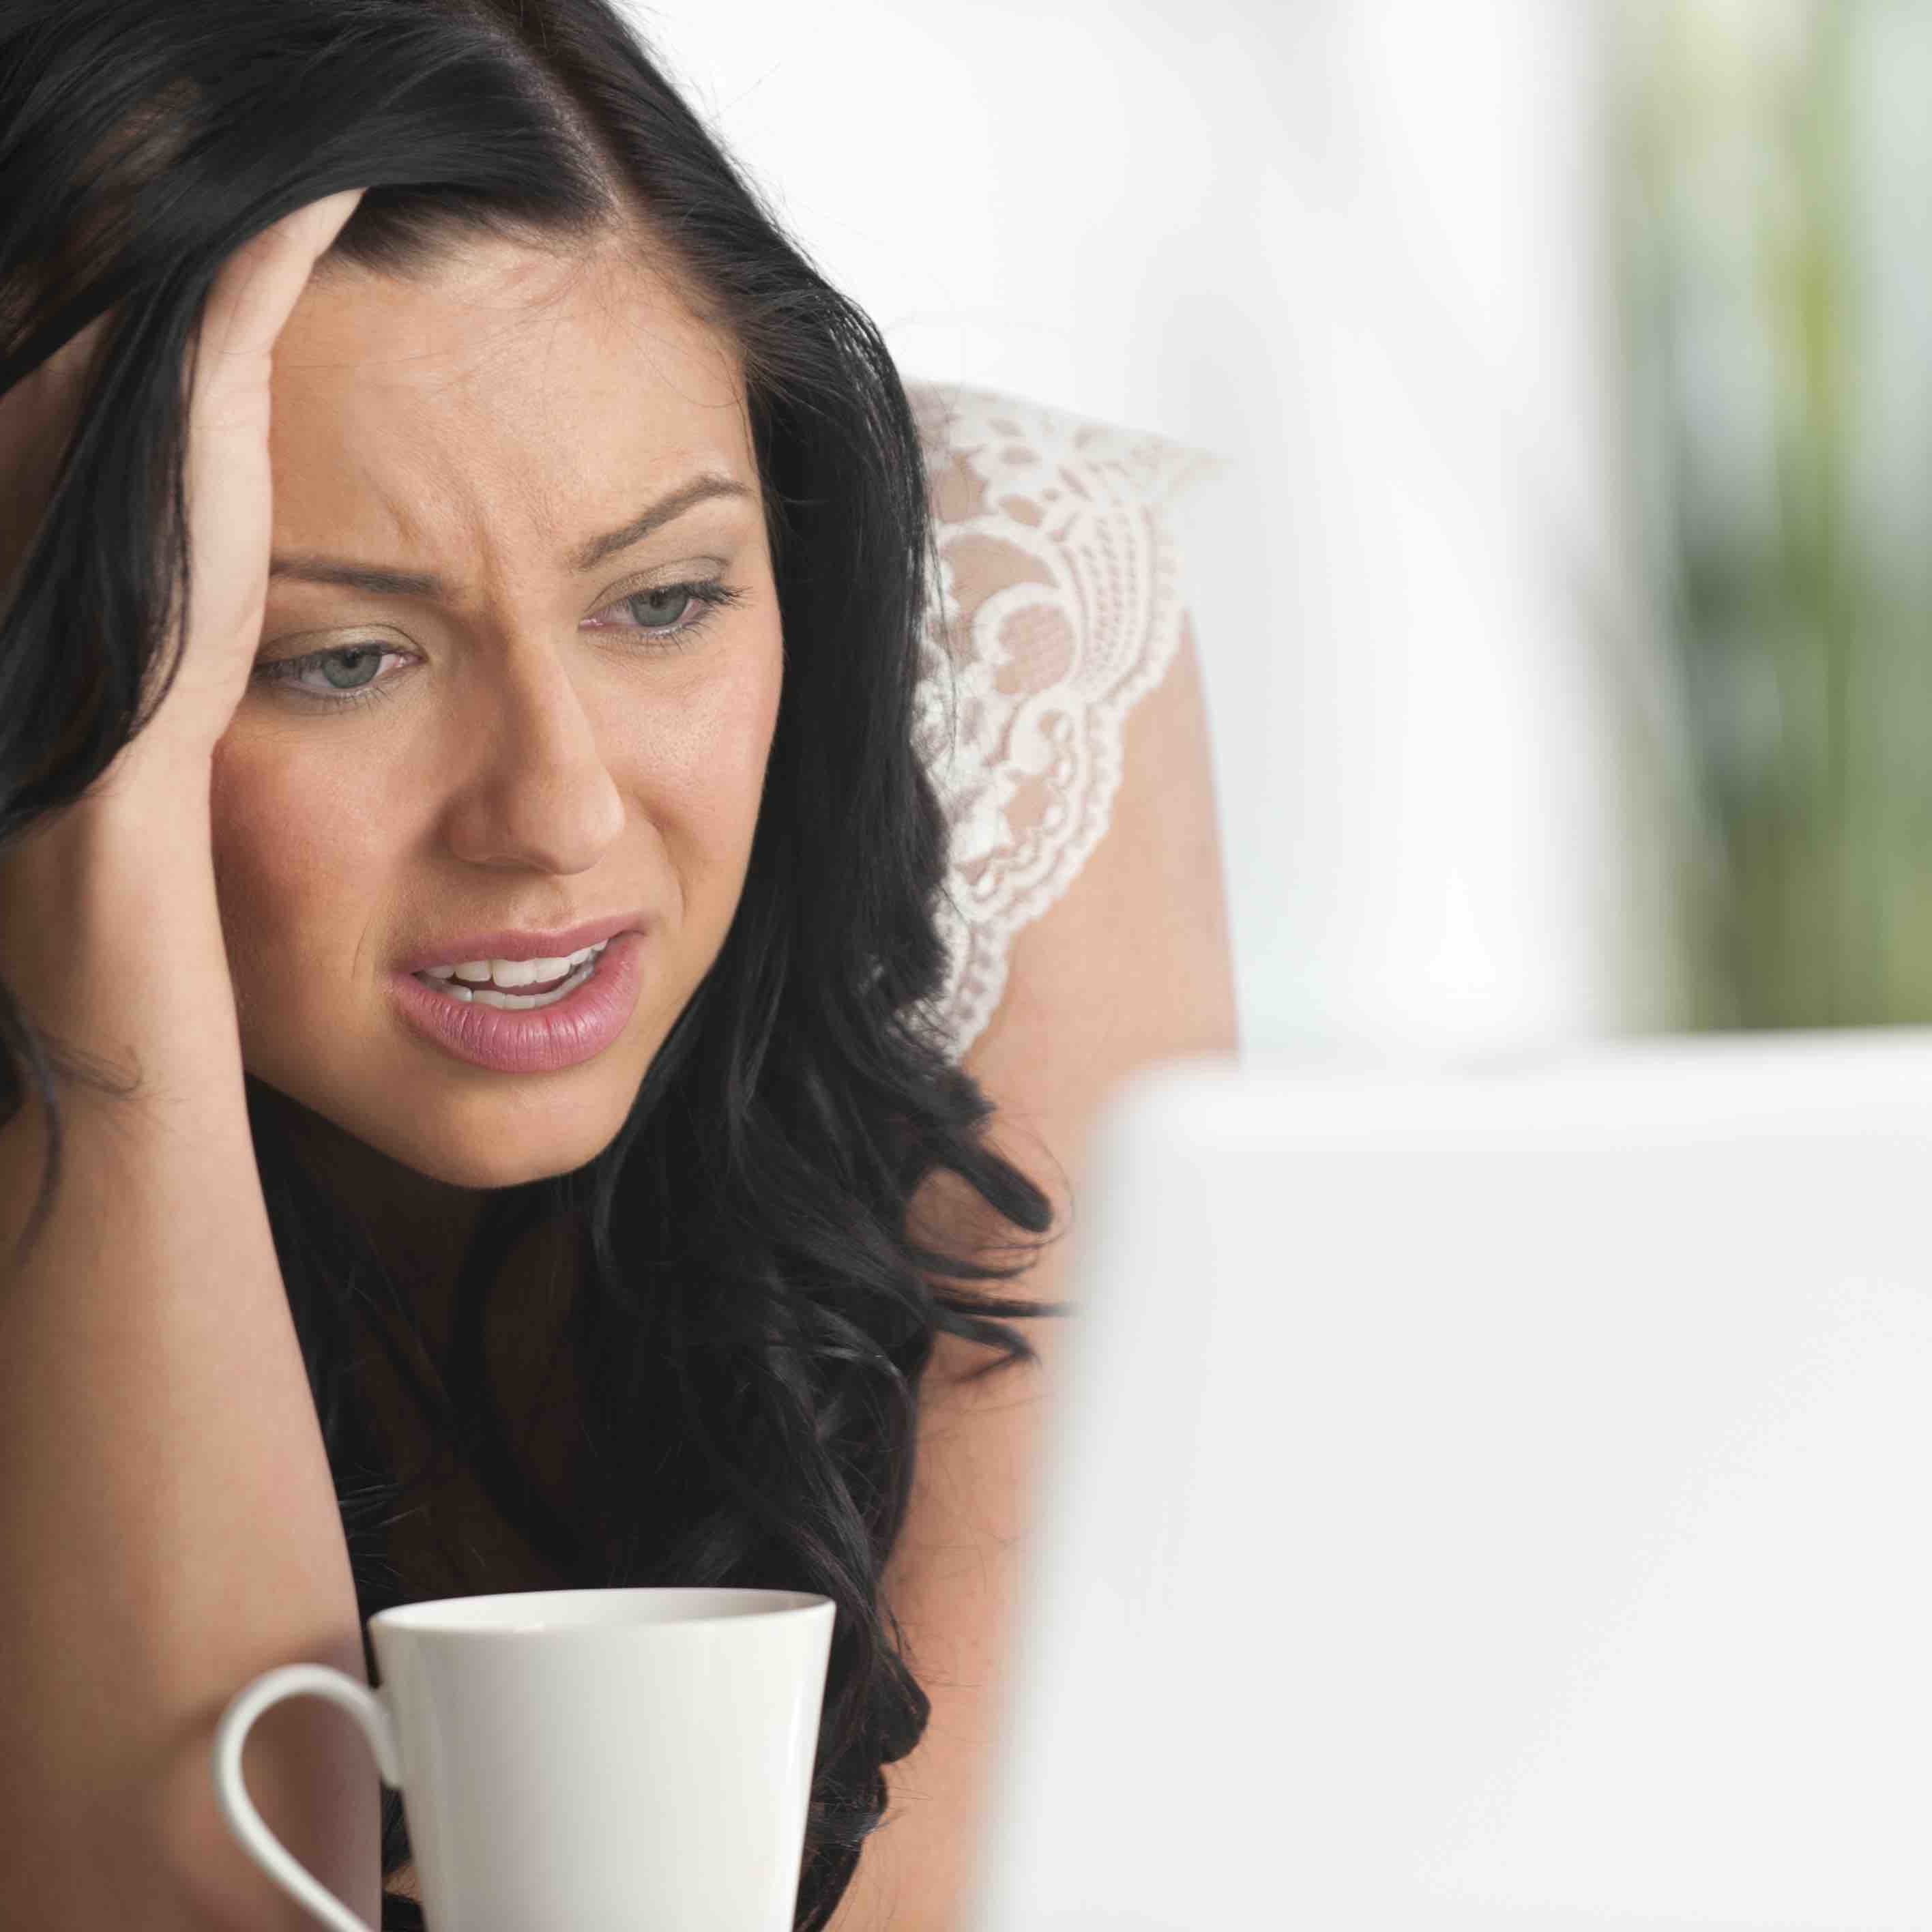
(1773, 218)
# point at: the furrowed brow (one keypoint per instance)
(666, 509)
(379, 580)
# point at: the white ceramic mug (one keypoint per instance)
(596, 1759)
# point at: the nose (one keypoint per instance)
(537, 793)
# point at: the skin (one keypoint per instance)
(541, 754)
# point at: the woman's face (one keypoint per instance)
(535, 740)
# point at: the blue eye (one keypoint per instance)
(709, 594)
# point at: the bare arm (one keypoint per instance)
(168, 1521)
(1130, 967)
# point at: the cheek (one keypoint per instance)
(297, 857)
(699, 763)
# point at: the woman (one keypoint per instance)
(535, 558)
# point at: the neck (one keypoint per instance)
(419, 1226)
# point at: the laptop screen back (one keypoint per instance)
(1498, 1502)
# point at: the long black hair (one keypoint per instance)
(755, 1295)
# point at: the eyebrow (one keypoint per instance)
(378, 581)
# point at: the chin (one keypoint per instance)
(480, 1168)
(357, 1139)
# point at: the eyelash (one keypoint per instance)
(711, 594)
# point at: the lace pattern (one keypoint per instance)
(1057, 608)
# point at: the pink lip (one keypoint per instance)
(541, 1040)
(504, 944)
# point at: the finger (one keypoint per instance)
(227, 460)
(260, 283)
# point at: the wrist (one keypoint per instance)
(150, 775)
(110, 923)
(136, 830)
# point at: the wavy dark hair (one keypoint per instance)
(756, 1293)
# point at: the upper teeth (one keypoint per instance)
(508, 973)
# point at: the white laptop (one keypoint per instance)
(1498, 1501)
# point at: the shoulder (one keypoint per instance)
(1058, 605)
(994, 456)
(1059, 561)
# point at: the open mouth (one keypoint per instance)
(520, 999)
(544, 1028)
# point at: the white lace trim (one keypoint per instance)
(1058, 607)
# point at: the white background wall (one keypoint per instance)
(1354, 244)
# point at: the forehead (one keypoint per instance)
(508, 398)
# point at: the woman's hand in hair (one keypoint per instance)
(229, 498)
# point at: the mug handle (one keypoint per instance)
(296, 1680)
